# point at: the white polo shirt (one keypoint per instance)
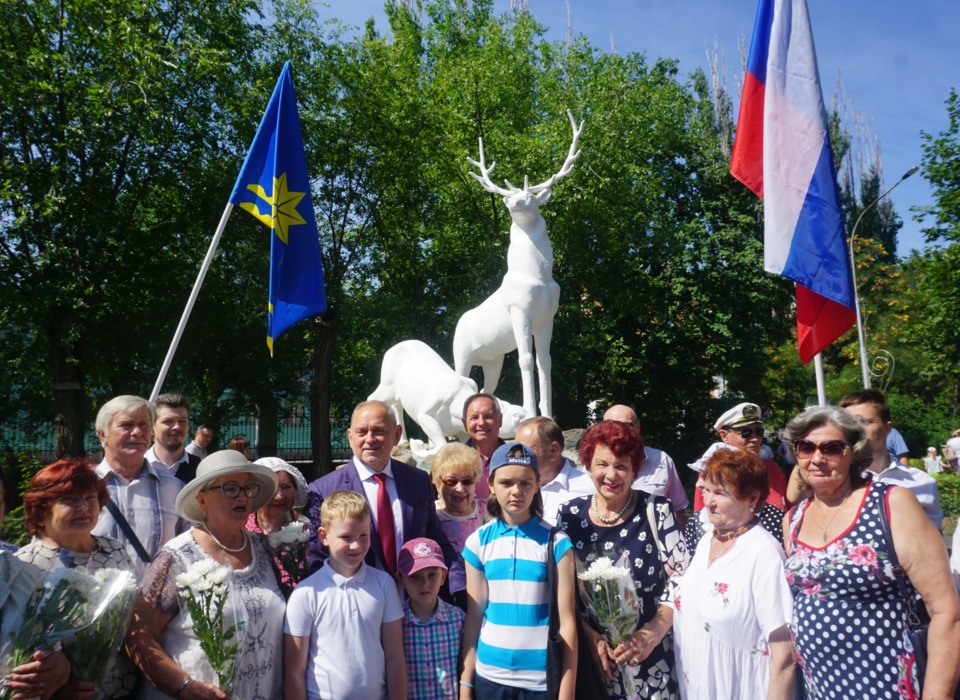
(923, 485)
(343, 618)
(658, 476)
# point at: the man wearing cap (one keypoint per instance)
(932, 462)
(171, 425)
(401, 497)
(141, 511)
(658, 474)
(559, 479)
(482, 420)
(742, 426)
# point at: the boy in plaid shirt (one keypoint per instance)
(431, 628)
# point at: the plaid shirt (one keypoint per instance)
(432, 649)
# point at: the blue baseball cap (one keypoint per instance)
(513, 453)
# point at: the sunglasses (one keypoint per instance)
(234, 490)
(748, 433)
(453, 481)
(830, 448)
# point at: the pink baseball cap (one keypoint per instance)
(419, 553)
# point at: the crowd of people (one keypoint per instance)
(506, 570)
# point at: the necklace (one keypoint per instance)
(835, 514)
(727, 536)
(224, 547)
(615, 518)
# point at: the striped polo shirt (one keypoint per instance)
(513, 636)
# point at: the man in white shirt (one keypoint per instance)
(658, 474)
(145, 497)
(560, 480)
(871, 407)
(171, 425)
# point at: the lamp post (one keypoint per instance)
(865, 369)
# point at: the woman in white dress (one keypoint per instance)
(732, 608)
(162, 640)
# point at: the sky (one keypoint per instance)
(897, 60)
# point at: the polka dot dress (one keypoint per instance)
(848, 618)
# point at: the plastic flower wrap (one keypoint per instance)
(51, 619)
(108, 608)
(608, 591)
(289, 545)
(204, 590)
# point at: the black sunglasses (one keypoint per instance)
(830, 448)
(748, 433)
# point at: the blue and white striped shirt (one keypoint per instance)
(512, 649)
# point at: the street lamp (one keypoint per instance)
(853, 268)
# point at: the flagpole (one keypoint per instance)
(821, 386)
(168, 360)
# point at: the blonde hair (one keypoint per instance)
(341, 505)
(455, 456)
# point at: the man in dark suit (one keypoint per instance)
(401, 497)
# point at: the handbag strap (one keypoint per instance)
(552, 578)
(128, 531)
(909, 599)
(652, 519)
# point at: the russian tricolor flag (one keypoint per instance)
(782, 153)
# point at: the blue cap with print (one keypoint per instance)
(513, 453)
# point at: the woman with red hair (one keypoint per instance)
(617, 519)
(60, 509)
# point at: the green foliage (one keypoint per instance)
(941, 166)
(949, 486)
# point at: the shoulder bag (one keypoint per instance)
(918, 620)
(555, 643)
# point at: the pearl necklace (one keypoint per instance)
(615, 518)
(727, 536)
(224, 547)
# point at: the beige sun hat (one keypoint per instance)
(217, 465)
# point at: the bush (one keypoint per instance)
(949, 485)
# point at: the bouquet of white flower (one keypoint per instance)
(608, 591)
(203, 588)
(52, 617)
(289, 545)
(108, 608)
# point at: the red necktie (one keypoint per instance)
(385, 526)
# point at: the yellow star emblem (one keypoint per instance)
(283, 207)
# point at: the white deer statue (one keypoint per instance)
(521, 310)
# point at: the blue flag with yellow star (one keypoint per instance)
(274, 187)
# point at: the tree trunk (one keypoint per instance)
(69, 416)
(325, 333)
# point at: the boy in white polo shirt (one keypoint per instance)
(343, 635)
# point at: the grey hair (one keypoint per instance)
(854, 434)
(125, 404)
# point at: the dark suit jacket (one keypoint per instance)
(417, 502)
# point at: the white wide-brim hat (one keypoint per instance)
(278, 465)
(217, 465)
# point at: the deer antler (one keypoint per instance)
(484, 177)
(572, 156)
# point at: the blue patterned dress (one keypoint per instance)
(656, 676)
(848, 618)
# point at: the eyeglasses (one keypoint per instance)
(748, 433)
(232, 490)
(830, 448)
(453, 481)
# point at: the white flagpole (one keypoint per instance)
(190, 302)
(821, 386)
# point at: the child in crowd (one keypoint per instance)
(505, 633)
(456, 470)
(431, 627)
(343, 635)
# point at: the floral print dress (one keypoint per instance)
(849, 621)
(656, 676)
